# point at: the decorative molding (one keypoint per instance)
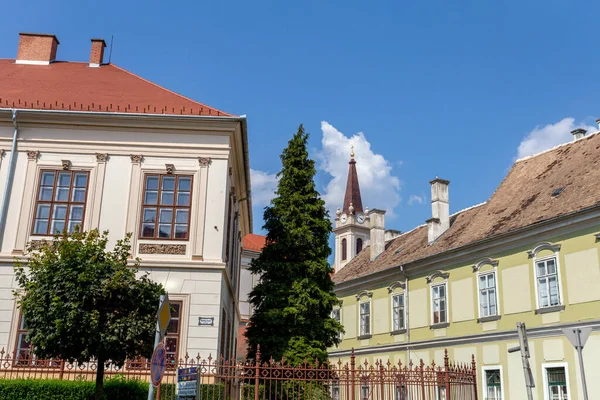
(481, 320)
(101, 157)
(398, 332)
(440, 325)
(364, 293)
(170, 168)
(437, 274)
(546, 310)
(483, 262)
(396, 285)
(66, 164)
(543, 246)
(136, 158)
(32, 154)
(204, 161)
(172, 249)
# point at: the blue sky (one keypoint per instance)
(438, 88)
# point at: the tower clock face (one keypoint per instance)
(360, 218)
(344, 218)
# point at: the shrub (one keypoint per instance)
(117, 388)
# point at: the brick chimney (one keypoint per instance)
(97, 53)
(377, 232)
(440, 209)
(36, 48)
(578, 133)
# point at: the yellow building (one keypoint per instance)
(462, 281)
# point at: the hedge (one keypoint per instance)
(49, 389)
(117, 388)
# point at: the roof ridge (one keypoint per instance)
(556, 147)
(167, 90)
(469, 208)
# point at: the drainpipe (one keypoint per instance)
(10, 177)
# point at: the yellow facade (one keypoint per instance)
(523, 282)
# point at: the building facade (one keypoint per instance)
(93, 145)
(462, 281)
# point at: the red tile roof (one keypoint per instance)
(528, 195)
(254, 242)
(76, 86)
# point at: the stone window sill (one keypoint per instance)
(440, 325)
(488, 319)
(552, 309)
(398, 332)
(362, 337)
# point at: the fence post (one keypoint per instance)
(62, 370)
(421, 365)
(381, 379)
(474, 371)
(257, 372)
(447, 374)
(352, 376)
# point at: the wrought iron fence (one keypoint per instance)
(219, 379)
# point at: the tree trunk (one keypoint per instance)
(99, 380)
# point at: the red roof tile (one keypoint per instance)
(254, 242)
(76, 86)
(527, 195)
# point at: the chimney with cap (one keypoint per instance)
(36, 48)
(97, 53)
(440, 209)
(578, 133)
(377, 232)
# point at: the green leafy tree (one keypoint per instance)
(294, 298)
(80, 301)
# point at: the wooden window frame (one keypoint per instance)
(485, 292)
(401, 312)
(174, 207)
(53, 202)
(439, 299)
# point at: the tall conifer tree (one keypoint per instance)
(294, 298)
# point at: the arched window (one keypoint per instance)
(358, 245)
(344, 250)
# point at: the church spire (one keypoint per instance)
(352, 200)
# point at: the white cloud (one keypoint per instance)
(263, 187)
(378, 187)
(414, 199)
(549, 136)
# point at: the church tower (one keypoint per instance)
(351, 226)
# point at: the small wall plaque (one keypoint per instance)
(206, 321)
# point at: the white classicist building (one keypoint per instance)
(90, 144)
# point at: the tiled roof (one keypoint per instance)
(76, 86)
(524, 197)
(253, 242)
(352, 195)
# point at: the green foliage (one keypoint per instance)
(294, 298)
(42, 389)
(81, 301)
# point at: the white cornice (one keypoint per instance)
(579, 220)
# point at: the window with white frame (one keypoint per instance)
(547, 282)
(335, 391)
(556, 379)
(336, 314)
(492, 384)
(397, 312)
(439, 312)
(401, 392)
(487, 295)
(365, 318)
